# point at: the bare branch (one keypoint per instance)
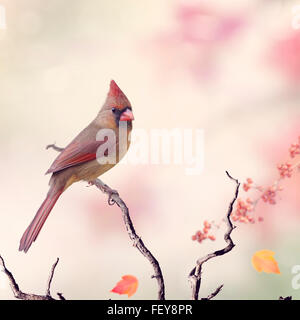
(114, 198)
(28, 296)
(195, 274)
(53, 146)
(61, 297)
(285, 298)
(51, 277)
(213, 294)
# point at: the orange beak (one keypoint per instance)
(127, 115)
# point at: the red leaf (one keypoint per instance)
(128, 285)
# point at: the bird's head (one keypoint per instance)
(117, 107)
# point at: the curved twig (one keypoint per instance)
(195, 274)
(213, 294)
(55, 147)
(48, 294)
(114, 198)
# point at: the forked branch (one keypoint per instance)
(196, 273)
(30, 296)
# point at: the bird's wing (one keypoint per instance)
(75, 154)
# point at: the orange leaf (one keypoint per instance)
(128, 285)
(263, 261)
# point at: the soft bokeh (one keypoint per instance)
(228, 67)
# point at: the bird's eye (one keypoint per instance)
(114, 110)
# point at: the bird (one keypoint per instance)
(95, 150)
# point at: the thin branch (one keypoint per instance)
(195, 274)
(53, 146)
(29, 296)
(60, 295)
(114, 198)
(285, 298)
(48, 294)
(213, 294)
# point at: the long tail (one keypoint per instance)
(38, 221)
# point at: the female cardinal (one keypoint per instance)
(83, 159)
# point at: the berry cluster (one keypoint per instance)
(244, 208)
(285, 170)
(201, 235)
(247, 185)
(267, 194)
(295, 148)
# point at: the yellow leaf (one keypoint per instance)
(263, 260)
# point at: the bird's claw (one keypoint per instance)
(106, 189)
(111, 192)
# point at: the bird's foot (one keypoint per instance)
(105, 189)
(111, 193)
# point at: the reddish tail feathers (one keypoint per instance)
(38, 221)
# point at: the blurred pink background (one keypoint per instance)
(229, 67)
